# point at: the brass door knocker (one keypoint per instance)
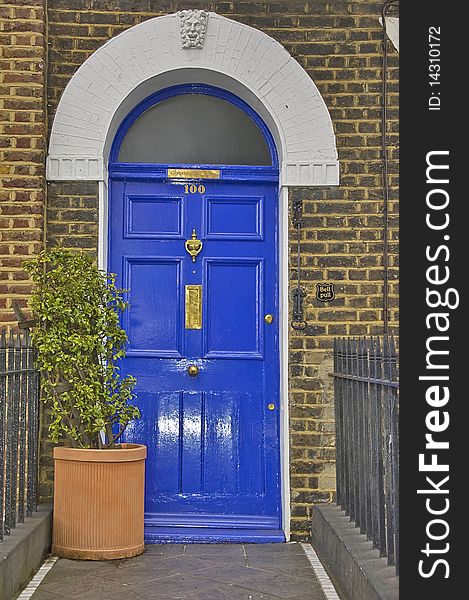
(193, 246)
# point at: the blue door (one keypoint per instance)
(203, 345)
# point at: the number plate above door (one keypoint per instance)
(194, 173)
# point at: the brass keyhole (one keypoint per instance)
(193, 370)
(269, 319)
(271, 406)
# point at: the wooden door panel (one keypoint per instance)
(213, 445)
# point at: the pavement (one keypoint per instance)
(188, 572)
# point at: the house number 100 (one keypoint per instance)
(192, 188)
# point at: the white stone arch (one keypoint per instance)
(150, 55)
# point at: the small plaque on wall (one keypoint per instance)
(325, 292)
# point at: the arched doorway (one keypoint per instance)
(149, 57)
(193, 229)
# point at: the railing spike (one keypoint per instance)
(378, 344)
(392, 346)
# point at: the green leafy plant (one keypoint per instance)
(79, 342)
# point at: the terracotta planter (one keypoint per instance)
(99, 502)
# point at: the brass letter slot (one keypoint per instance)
(193, 307)
(194, 173)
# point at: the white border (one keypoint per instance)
(284, 346)
(326, 584)
(36, 581)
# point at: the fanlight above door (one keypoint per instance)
(194, 128)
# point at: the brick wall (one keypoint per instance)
(339, 45)
(22, 131)
(72, 215)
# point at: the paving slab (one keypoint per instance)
(189, 572)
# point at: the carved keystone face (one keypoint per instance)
(193, 25)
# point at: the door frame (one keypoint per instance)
(104, 239)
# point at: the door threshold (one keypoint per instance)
(202, 535)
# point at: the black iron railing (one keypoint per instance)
(19, 396)
(366, 394)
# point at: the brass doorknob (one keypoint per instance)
(269, 319)
(193, 370)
